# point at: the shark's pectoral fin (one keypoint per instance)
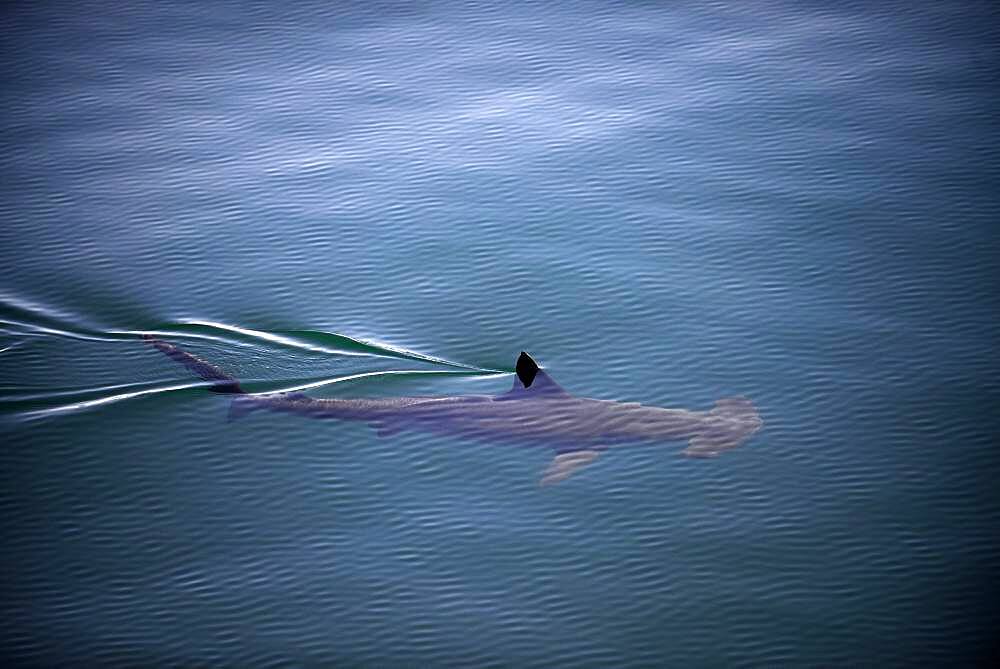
(565, 465)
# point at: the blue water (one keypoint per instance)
(667, 203)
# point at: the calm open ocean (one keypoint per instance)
(664, 202)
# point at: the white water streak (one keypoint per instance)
(88, 404)
(339, 379)
(34, 329)
(295, 343)
(120, 397)
(267, 336)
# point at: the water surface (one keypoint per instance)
(663, 203)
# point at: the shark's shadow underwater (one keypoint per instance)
(535, 411)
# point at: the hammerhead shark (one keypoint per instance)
(536, 410)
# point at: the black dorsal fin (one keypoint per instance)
(526, 369)
(531, 381)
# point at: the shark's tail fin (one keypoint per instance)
(221, 382)
(727, 426)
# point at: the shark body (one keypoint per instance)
(536, 410)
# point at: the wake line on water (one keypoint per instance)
(33, 319)
(368, 346)
(89, 404)
(351, 377)
(27, 319)
(121, 397)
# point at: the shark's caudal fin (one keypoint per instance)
(727, 426)
(221, 382)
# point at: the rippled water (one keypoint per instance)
(663, 203)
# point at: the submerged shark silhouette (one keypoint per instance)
(536, 410)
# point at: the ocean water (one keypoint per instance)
(668, 203)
